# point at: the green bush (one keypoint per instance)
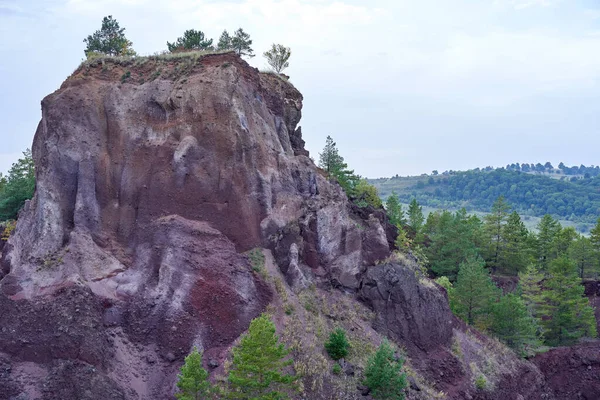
(480, 382)
(383, 374)
(337, 369)
(337, 345)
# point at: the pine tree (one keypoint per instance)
(568, 315)
(548, 229)
(582, 252)
(394, 210)
(109, 39)
(191, 40)
(331, 161)
(595, 241)
(278, 57)
(383, 374)
(515, 252)
(225, 41)
(415, 216)
(494, 227)
(337, 345)
(474, 293)
(258, 363)
(241, 42)
(17, 187)
(513, 324)
(563, 241)
(193, 381)
(530, 286)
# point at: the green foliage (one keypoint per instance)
(453, 239)
(394, 210)
(337, 346)
(17, 187)
(513, 324)
(474, 293)
(258, 365)
(278, 57)
(477, 189)
(383, 374)
(481, 382)
(494, 229)
(193, 381)
(530, 282)
(7, 228)
(333, 163)
(225, 41)
(415, 216)
(241, 42)
(402, 243)
(566, 311)
(548, 229)
(337, 369)
(516, 254)
(191, 40)
(109, 40)
(582, 252)
(366, 194)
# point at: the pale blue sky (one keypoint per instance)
(403, 86)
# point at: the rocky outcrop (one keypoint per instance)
(406, 309)
(153, 176)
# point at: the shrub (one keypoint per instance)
(337, 369)
(480, 382)
(337, 345)
(383, 374)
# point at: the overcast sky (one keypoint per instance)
(403, 86)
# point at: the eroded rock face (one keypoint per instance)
(149, 186)
(409, 312)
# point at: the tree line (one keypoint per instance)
(465, 252)
(533, 195)
(110, 40)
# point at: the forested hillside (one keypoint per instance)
(559, 192)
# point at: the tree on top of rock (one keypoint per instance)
(278, 57)
(191, 40)
(241, 42)
(109, 39)
(225, 41)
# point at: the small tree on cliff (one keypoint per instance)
(193, 381)
(331, 161)
(258, 363)
(383, 374)
(191, 40)
(109, 39)
(278, 57)
(225, 41)
(241, 42)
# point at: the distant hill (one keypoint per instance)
(567, 193)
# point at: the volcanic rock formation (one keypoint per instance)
(147, 192)
(154, 176)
